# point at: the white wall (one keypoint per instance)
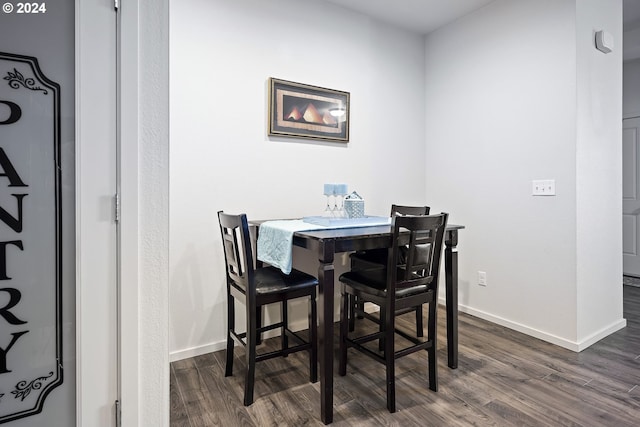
(222, 54)
(145, 132)
(598, 172)
(502, 87)
(508, 94)
(631, 89)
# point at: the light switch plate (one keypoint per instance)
(482, 278)
(543, 187)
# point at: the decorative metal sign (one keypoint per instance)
(30, 238)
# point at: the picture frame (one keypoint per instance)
(300, 110)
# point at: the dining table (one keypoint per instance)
(325, 243)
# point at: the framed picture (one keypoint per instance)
(304, 111)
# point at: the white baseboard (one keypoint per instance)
(553, 339)
(174, 356)
(544, 336)
(597, 336)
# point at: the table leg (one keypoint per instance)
(325, 329)
(253, 232)
(451, 273)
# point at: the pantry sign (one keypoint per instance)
(30, 238)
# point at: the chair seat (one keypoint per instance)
(374, 281)
(270, 280)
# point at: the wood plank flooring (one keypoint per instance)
(504, 379)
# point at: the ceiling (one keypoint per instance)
(424, 16)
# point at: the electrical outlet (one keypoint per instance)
(482, 278)
(543, 187)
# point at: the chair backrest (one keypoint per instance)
(422, 236)
(409, 210)
(237, 251)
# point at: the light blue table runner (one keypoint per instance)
(275, 238)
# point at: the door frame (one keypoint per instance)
(626, 264)
(96, 232)
(144, 178)
(144, 191)
(128, 383)
(129, 244)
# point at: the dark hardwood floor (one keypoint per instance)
(504, 379)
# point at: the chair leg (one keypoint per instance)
(346, 315)
(231, 320)
(285, 324)
(360, 305)
(313, 337)
(433, 351)
(251, 359)
(259, 323)
(381, 326)
(352, 312)
(419, 322)
(389, 356)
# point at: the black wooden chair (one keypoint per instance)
(407, 281)
(377, 258)
(256, 287)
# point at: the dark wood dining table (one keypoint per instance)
(326, 243)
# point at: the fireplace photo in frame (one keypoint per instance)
(304, 111)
